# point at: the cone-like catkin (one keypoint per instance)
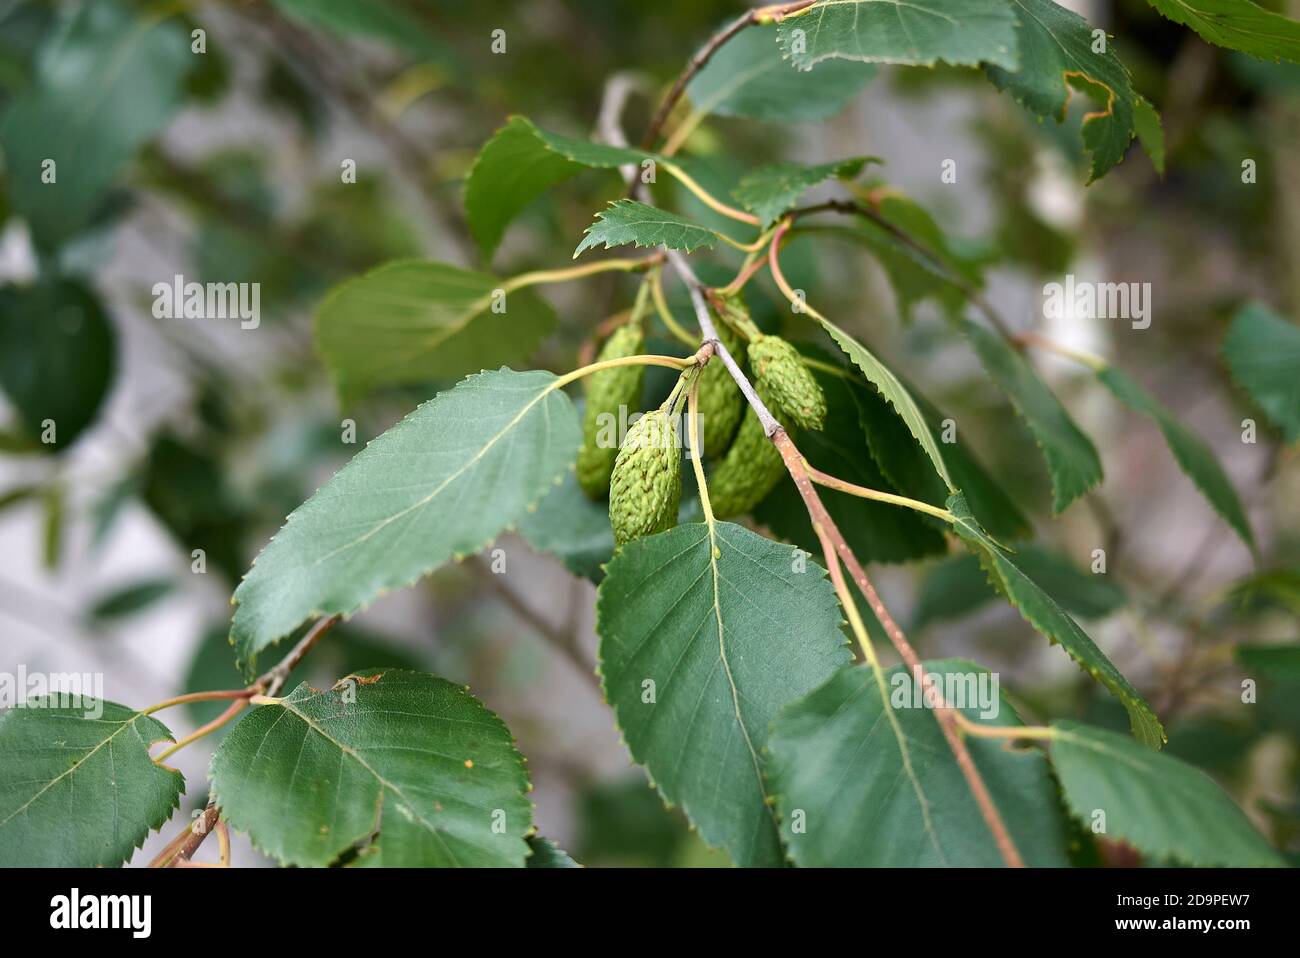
(721, 403)
(780, 371)
(607, 391)
(751, 469)
(646, 486)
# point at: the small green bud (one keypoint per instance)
(646, 486)
(780, 371)
(608, 391)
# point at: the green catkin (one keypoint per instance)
(751, 469)
(780, 372)
(608, 391)
(720, 402)
(645, 488)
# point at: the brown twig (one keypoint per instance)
(271, 681)
(705, 54)
(839, 550)
(316, 63)
(710, 334)
(184, 845)
(231, 711)
(180, 848)
(1198, 562)
(557, 638)
(973, 295)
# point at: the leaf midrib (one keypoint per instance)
(443, 485)
(72, 768)
(384, 783)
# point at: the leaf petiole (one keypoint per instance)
(197, 697)
(708, 199)
(672, 362)
(235, 708)
(661, 307)
(625, 265)
(1091, 360)
(697, 459)
(840, 485)
(1039, 732)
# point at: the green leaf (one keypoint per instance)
(106, 81)
(17, 496)
(1237, 25)
(349, 648)
(914, 276)
(1193, 455)
(951, 590)
(1160, 805)
(960, 32)
(440, 484)
(544, 853)
(1056, 57)
(569, 524)
(1042, 612)
(908, 468)
(697, 657)
(187, 486)
(892, 390)
(15, 442)
(58, 355)
(381, 19)
(519, 164)
(1279, 661)
(417, 321)
(1275, 668)
(575, 528)
(959, 585)
(408, 755)
(622, 823)
(1267, 590)
(1072, 460)
(771, 190)
(876, 531)
(1146, 124)
(79, 790)
(130, 599)
(1263, 353)
(748, 76)
(627, 221)
(872, 784)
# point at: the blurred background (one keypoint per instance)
(224, 166)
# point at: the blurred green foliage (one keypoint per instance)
(227, 163)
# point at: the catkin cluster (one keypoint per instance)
(608, 391)
(753, 466)
(642, 476)
(646, 486)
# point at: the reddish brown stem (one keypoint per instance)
(968, 290)
(184, 845)
(272, 680)
(704, 55)
(832, 536)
